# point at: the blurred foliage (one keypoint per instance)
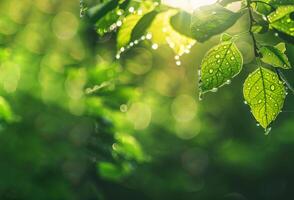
(78, 124)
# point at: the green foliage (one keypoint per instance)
(166, 25)
(275, 57)
(220, 65)
(265, 94)
(211, 20)
(281, 19)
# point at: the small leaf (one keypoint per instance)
(265, 94)
(208, 21)
(220, 64)
(226, 37)
(282, 21)
(273, 56)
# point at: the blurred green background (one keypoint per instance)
(77, 124)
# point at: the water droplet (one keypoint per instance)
(148, 36)
(257, 124)
(136, 41)
(214, 90)
(232, 58)
(143, 37)
(259, 101)
(122, 49)
(211, 71)
(228, 82)
(272, 87)
(178, 63)
(131, 9)
(267, 130)
(119, 12)
(276, 34)
(117, 56)
(245, 102)
(119, 23)
(177, 57)
(154, 46)
(217, 56)
(123, 108)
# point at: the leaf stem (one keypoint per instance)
(251, 20)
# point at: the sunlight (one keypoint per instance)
(188, 5)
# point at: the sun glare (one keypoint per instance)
(188, 5)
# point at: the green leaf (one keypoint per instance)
(163, 33)
(97, 12)
(227, 2)
(125, 32)
(275, 57)
(226, 37)
(282, 19)
(220, 64)
(143, 24)
(265, 94)
(135, 24)
(181, 23)
(208, 21)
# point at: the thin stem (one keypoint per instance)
(251, 19)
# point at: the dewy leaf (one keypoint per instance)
(282, 19)
(208, 21)
(220, 64)
(273, 56)
(125, 33)
(265, 94)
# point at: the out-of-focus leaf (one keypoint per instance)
(226, 37)
(132, 25)
(265, 94)
(221, 63)
(275, 57)
(142, 25)
(163, 33)
(98, 11)
(181, 23)
(6, 113)
(208, 21)
(282, 21)
(227, 2)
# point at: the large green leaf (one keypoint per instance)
(208, 21)
(282, 19)
(265, 94)
(220, 64)
(275, 57)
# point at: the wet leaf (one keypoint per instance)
(274, 57)
(208, 21)
(220, 64)
(265, 94)
(282, 20)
